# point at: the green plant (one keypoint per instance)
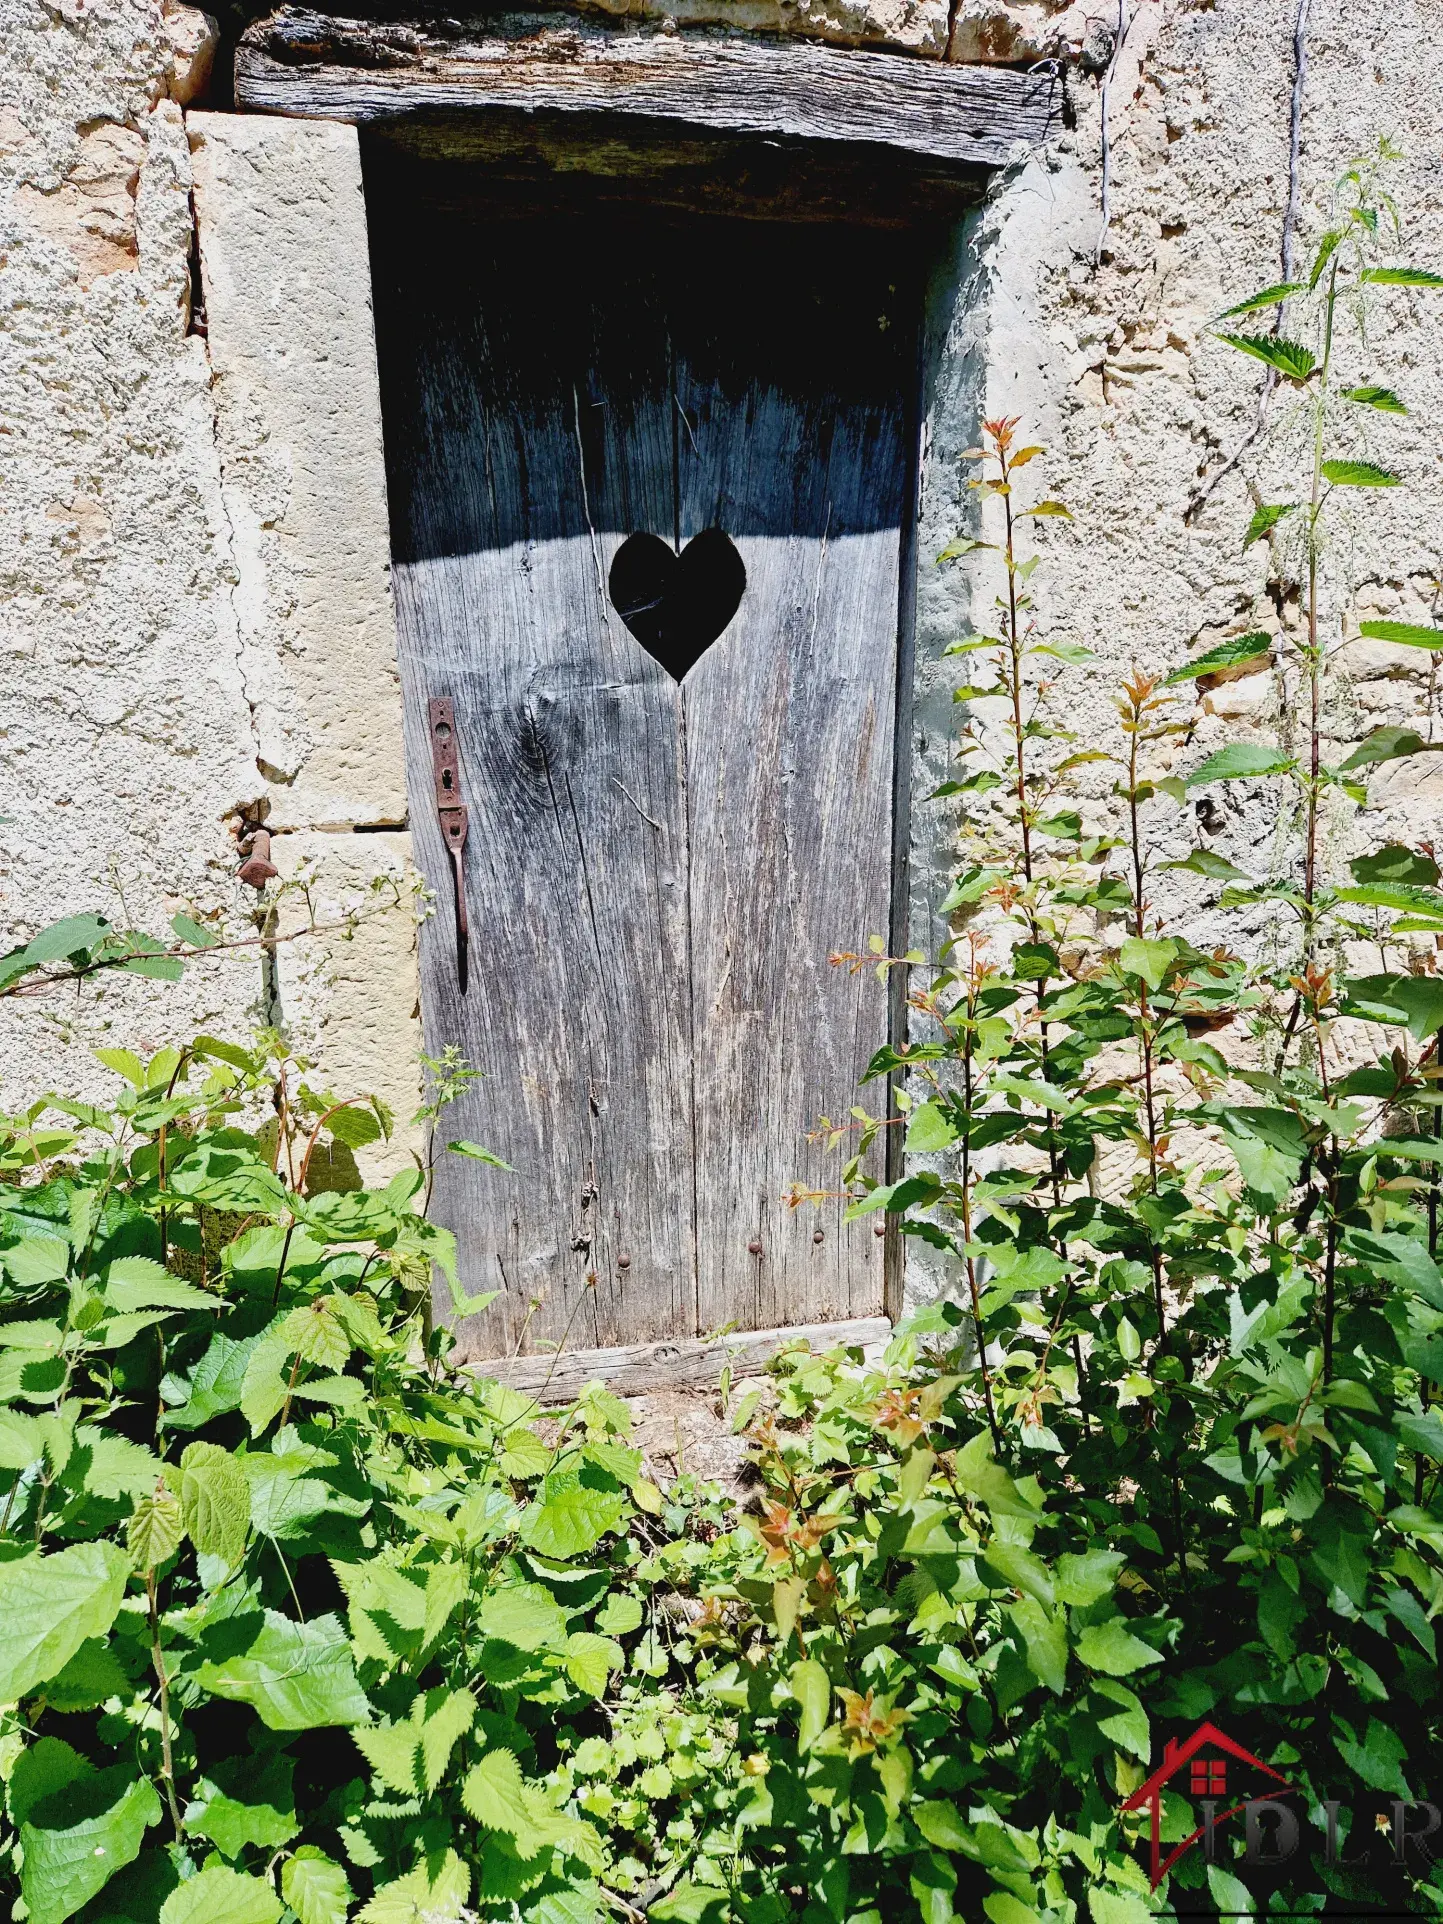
(296, 1617)
(1174, 1455)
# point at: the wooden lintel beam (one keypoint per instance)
(320, 66)
(635, 1369)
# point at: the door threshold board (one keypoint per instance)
(634, 1369)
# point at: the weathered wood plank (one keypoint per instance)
(528, 425)
(636, 1369)
(302, 62)
(789, 741)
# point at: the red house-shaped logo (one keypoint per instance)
(1201, 1762)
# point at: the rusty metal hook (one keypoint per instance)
(454, 820)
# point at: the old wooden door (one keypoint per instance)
(649, 487)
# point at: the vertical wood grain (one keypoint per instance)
(789, 737)
(527, 423)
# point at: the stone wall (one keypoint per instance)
(193, 600)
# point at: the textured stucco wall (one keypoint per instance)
(167, 570)
(194, 573)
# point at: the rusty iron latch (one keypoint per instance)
(451, 813)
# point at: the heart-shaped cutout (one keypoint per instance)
(677, 604)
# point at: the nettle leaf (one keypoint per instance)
(1113, 1649)
(297, 1676)
(1267, 297)
(1401, 277)
(474, 1152)
(216, 1500)
(50, 1605)
(1241, 761)
(1291, 359)
(219, 1895)
(438, 1887)
(1359, 474)
(315, 1887)
(137, 1282)
(497, 1795)
(1382, 398)
(1265, 519)
(1405, 634)
(77, 1839)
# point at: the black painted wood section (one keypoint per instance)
(657, 870)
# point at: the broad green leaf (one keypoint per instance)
(981, 1477)
(22, 1440)
(942, 1824)
(124, 1062)
(929, 1128)
(1229, 1893)
(1109, 1906)
(1291, 359)
(215, 1496)
(1389, 745)
(1088, 1577)
(155, 1529)
(43, 1768)
(1269, 1145)
(475, 1153)
(76, 1840)
(92, 1675)
(437, 1888)
(813, 1691)
(1382, 398)
(50, 1605)
(590, 1659)
(1019, 1568)
(298, 1676)
(1401, 277)
(1203, 861)
(1265, 519)
(1405, 634)
(1266, 297)
(1359, 474)
(251, 1804)
(571, 1520)
(112, 1466)
(1240, 761)
(498, 1797)
(1045, 1634)
(36, 1260)
(221, 1896)
(1003, 1908)
(1113, 1649)
(75, 935)
(1395, 862)
(1148, 960)
(213, 1387)
(315, 1887)
(1126, 1727)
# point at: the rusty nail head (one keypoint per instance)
(257, 869)
(623, 1262)
(879, 1229)
(819, 1235)
(754, 1248)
